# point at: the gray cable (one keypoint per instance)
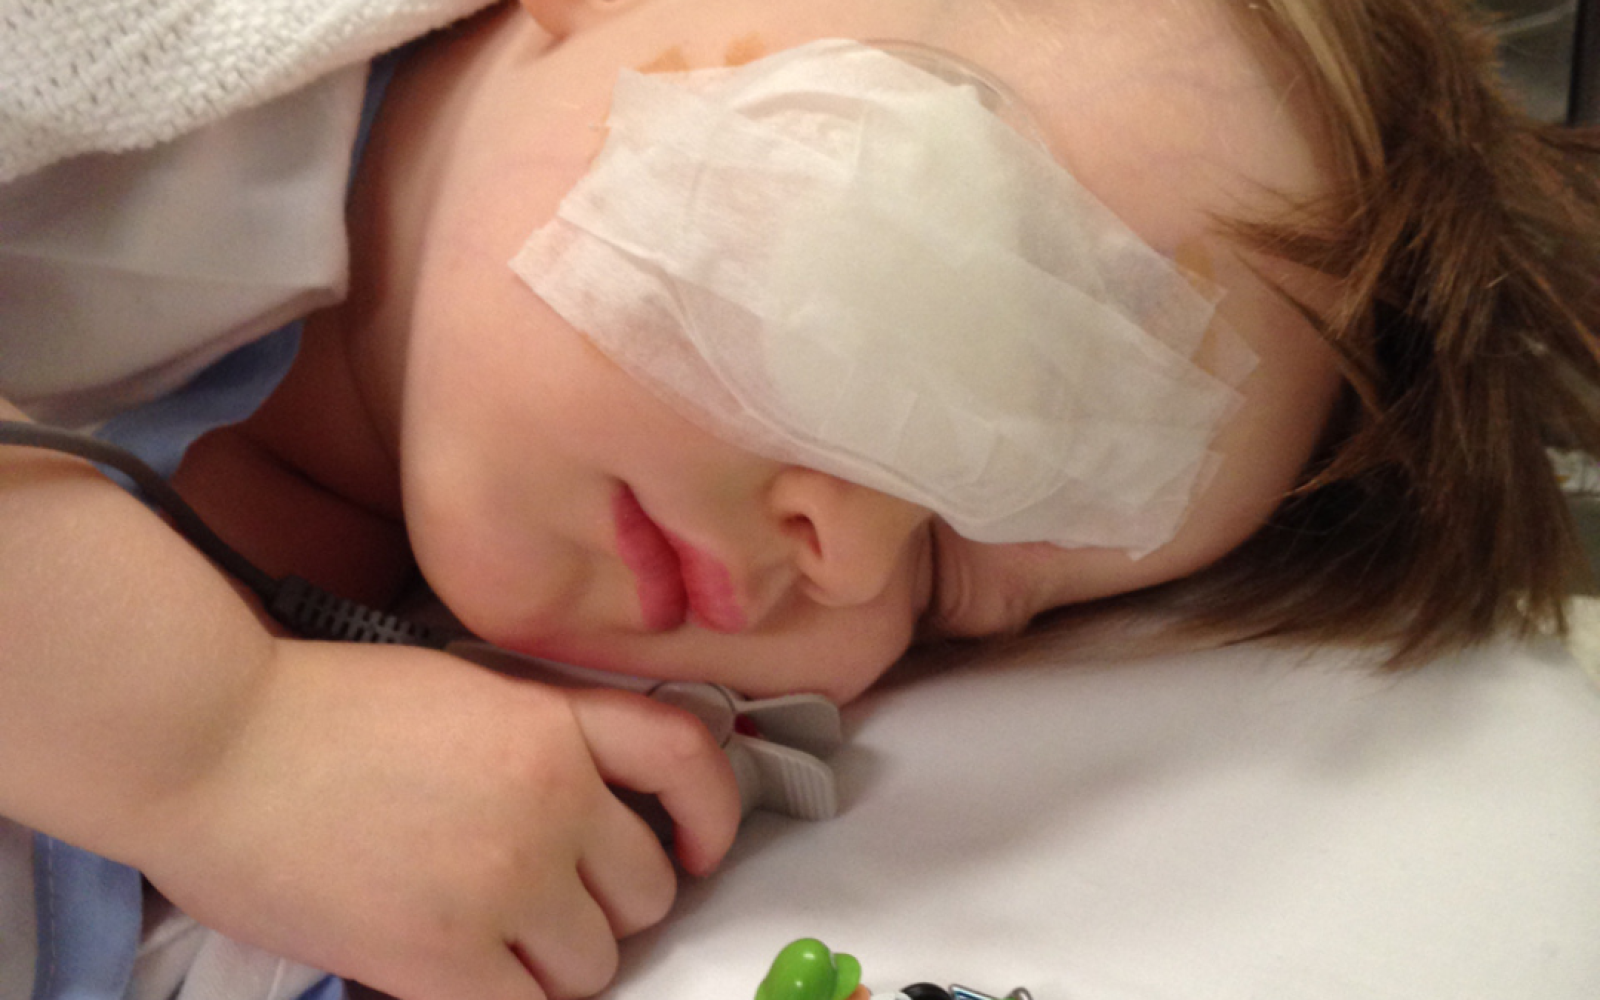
(306, 609)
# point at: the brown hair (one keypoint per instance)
(1466, 239)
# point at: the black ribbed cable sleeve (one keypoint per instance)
(307, 610)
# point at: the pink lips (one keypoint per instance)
(675, 580)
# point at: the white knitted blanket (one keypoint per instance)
(80, 76)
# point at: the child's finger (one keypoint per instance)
(627, 872)
(492, 973)
(567, 944)
(663, 751)
(507, 976)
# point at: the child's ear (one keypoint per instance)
(565, 17)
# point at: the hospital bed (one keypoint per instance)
(1250, 822)
(1551, 55)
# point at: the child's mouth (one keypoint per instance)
(658, 576)
(675, 580)
(709, 588)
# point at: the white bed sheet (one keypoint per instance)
(1242, 823)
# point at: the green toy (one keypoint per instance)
(807, 970)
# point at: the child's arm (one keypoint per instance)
(389, 814)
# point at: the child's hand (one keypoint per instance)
(438, 831)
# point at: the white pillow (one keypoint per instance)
(1251, 822)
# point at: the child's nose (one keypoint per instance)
(847, 541)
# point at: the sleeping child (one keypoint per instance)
(743, 341)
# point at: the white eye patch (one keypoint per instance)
(836, 259)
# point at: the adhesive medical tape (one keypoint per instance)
(838, 259)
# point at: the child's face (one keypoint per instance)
(560, 509)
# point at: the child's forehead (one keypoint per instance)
(1166, 110)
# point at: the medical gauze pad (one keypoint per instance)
(836, 259)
